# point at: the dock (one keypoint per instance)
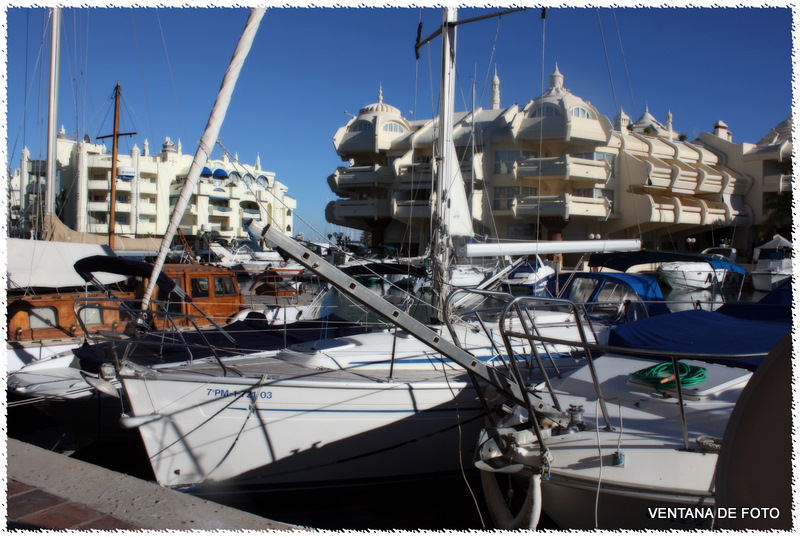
(47, 490)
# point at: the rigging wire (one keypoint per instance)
(239, 167)
(624, 61)
(608, 63)
(141, 74)
(171, 74)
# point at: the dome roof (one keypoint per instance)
(560, 96)
(380, 106)
(779, 133)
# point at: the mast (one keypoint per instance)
(207, 142)
(114, 154)
(114, 149)
(442, 245)
(52, 111)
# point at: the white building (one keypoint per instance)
(558, 169)
(227, 196)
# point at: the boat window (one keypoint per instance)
(42, 317)
(224, 286)
(199, 287)
(91, 315)
(612, 293)
(581, 289)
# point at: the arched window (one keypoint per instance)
(580, 112)
(545, 111)
(363, 126)
(393, 127)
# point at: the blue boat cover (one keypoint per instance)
(734, 328)
(118, 265)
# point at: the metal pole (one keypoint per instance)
(113, 196)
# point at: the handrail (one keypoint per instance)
(132, 336)
(591, 349)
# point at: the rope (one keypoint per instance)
(663, 375)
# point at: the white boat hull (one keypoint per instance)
(768, 280)
(302, 433)
(691, 275)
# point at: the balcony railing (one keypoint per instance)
(566, 168)
(375, 209)
(564, 205)
(411, 209)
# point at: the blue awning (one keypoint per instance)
(206, 172)
(220, 173)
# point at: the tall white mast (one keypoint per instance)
(206, 142)
(52, 110)
(442, 245)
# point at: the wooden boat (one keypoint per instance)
(45, 324)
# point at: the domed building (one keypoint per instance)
(556, 169)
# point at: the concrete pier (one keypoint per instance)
(47, 490)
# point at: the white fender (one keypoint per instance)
(529, 514)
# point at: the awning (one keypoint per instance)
(206, 172)
(220, 173)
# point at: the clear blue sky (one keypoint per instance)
(309, 65)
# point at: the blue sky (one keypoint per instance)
(309, 65)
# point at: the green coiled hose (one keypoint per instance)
(663, 375)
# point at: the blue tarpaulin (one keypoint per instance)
(734, 328)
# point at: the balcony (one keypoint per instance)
(405, 210)
(98, 185)
(222, 211)
(145, 187)
(689, 211)
(415, 177)
(541, 206)
(565, 205)
(147, 208)
(97, 206)
(358, 177)
(375, 209)
(566, 168)
(123, 186)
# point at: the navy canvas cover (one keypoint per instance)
(734, 328)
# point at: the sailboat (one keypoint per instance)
(402, 402)
(385, 405)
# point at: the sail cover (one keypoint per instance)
(49, 264)
(458, 213)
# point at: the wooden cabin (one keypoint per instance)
(46, 316)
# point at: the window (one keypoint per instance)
(580, 112)
(393, 127)
(596, 193)
(363, 126)
(42, 317)
(91, 315)
(199, 288)
(504, 161)
(522, 231)
(504, 196)
(545, 111)
(224, 286)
